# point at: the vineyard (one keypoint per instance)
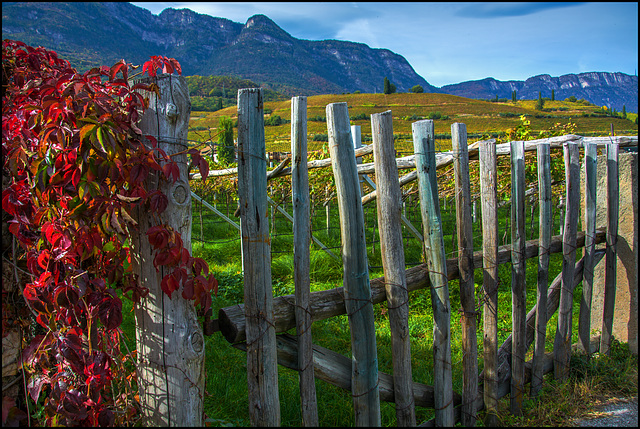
(483, 119)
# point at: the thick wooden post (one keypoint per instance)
(357, 289)
(562, 340)
(544, 201)
(464, 228)
(389, 204)
(591, 165)
(518, 273)
(489, 200)
(424, 149)
(169, 338)
(301, 259)
(611, 257)
(262, 363)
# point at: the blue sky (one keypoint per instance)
(454, 42)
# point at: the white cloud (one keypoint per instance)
(359, 30)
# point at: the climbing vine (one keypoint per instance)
(78, 166)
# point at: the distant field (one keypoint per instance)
(480, 117)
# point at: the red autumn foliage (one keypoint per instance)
(78, 164)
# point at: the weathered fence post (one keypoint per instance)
(544, 201)
(262, 364)
(464, 228)
(301, 258)
(389, 207)
(425, 156)
(562, 340)
(611, 248)
(489, 200)
(518, 279)
(357, 289)
(169, 338)
(584, 327)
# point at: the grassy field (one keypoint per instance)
(480, 117)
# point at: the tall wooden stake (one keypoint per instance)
(544, 201)
(301, 258)
(591, 165)
(262, 363)
(518, 286)
(611, 257)
(464, 228)
(389, 204)
(357, 290)
(562, 340)
(489, 199)
(424, 149)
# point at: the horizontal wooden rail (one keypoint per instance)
(330, 303)
(335, 368)
(442, 158)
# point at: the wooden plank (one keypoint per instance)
(518, 278)
(464, 228)
(262, 363)
(301, 259)
(562, 341)
(544, 202)
(357, 290)
(489, 200)
(335, 369)
(610, 272)
(424, 148)
(389, 204)
(329, 303)
(584, 326)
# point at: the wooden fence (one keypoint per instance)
(258, 325)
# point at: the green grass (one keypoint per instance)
(226, 400)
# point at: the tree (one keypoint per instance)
(226, 150)
(513, 95)
(540, 103)
(553, 95)
(417, 89)
(388, 87)
(624, 111)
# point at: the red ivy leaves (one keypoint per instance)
(78, 167)
(168, 65)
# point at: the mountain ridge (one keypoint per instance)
(90, 34)
(613, 90)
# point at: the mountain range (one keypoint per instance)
(96, 33)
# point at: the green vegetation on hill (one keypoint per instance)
(211, 93)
